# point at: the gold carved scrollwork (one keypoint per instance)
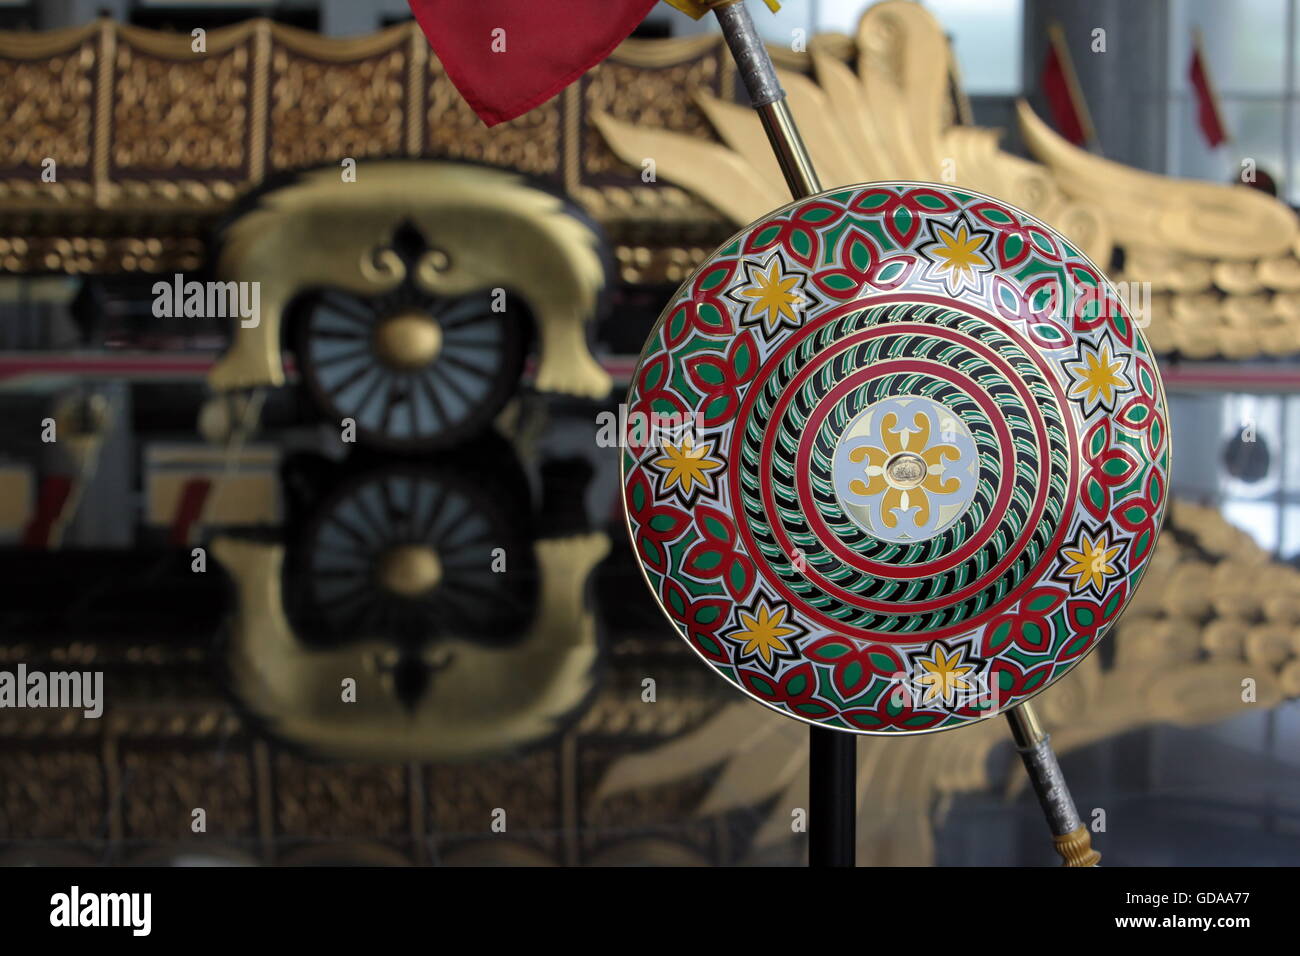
(530, 143)
(430, 268)
(322, 111)
(47, 105)
(494, 230)
(180, 114)
(382, 266)
(650, 97)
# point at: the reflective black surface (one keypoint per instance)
(452, 659)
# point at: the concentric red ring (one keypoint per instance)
(852, 557)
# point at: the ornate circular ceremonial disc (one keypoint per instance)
(895, 458)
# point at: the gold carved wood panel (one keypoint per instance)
(639, 86)
(47, 98)
(323, 112)
(180, 112)
(532, 143)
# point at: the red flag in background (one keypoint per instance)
(1207, 104)
(507, 56)
(1061, 87)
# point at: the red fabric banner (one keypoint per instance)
(53, 496)
(1207, 107)
(1060, 98)
(189, 510)
(507, 56)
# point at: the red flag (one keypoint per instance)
(1207, 105)
(54, 494)
(194, 494)
(1061, 88)
(507, 56)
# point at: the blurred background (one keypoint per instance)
(205, 533)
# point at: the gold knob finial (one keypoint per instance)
(1076, 849)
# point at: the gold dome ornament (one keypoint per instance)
(410, 570)
(408, 341)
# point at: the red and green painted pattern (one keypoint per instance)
(850, 331)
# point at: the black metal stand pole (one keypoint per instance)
(832, 768)
(832, 797)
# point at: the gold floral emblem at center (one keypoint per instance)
(904, 477)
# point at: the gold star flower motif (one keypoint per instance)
(944, 674)
(775, 296)
(957, 256)
(765, 632)
(1091, 562)
(688, 467)
(1098, 376)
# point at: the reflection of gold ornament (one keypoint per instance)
(905, 470)
(410, 570)
(410, 340)
(487, 699)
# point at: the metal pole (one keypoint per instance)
(832, 754)
(767, 97)
(1070, 836)
(832, 797)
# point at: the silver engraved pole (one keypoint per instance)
(1070, 836)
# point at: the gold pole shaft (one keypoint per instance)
(796, 165)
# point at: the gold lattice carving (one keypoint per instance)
(54, 794)
(47, 105)
(324, 112)
(340, 800)
(651, 97)
(530, 143)
(180, 114)
(167, 785)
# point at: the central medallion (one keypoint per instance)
(905, 469)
